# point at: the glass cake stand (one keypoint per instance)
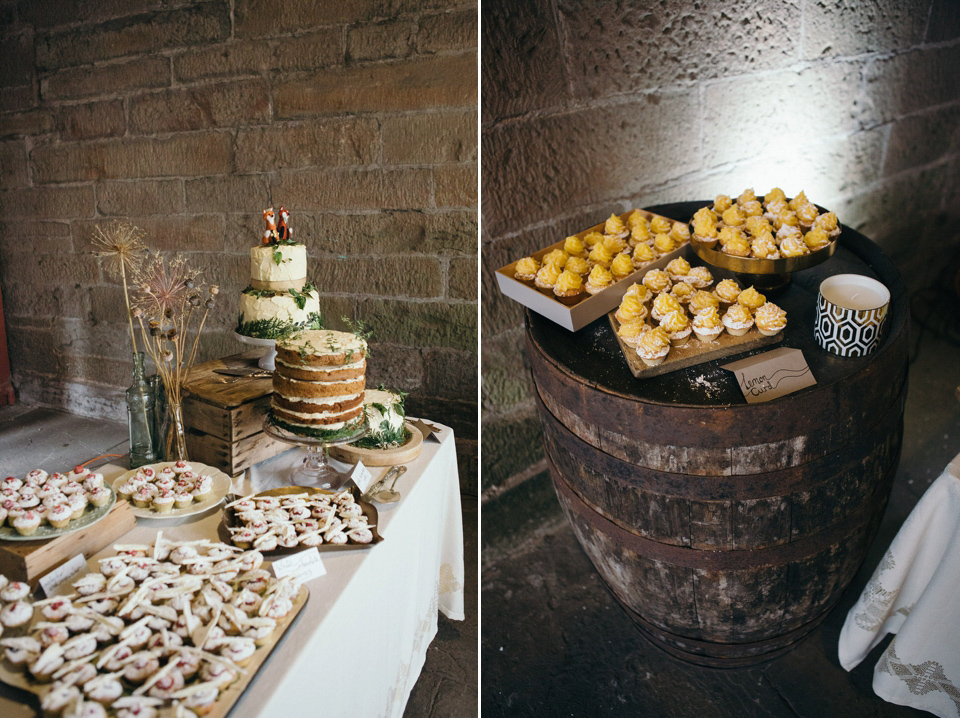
(267, 360)
(315, 471)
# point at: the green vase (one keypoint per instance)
(141, 416)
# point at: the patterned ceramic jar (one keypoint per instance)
(851, 309)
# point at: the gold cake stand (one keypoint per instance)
(763, 274)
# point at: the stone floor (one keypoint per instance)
(556, 644)
(447, 688)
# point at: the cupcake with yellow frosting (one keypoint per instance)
(601, 255)
(677, 268)
(753, 208)
(722, 203)
(733, 217)
(737, 320)
(748, 195)
(702, 300)
(640, 292)
(680, 233)
(682, 292)
(556, 257)
(707, 324)
(526, 269)
(776, 194)
(798, 201)
(578, 265)
(794, 246)
(699, 277)
(764, 247)
(663, 304)
(546, 278)
(639, 233)
(816, 239)
(656, 280)
(631, 333)
(573, 246)
(568, 287)
(661, 225)
(643, 254)
(614, 227)
(756, 226)
(599, 279)
(786, 219)
(636, 219)
(663, 243)
(728, 234)
(614, 245)
(621, 267)
(806, 215)
(828, 223)
(770, 319)
(677, 326)
(591, 239)
(727, 291)
(631, 310)
(653, 346)
(705, 227)
(737, 246)
(751, 298)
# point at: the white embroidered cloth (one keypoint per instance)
(915, 594)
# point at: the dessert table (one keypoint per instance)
(727, 530)
(914, 594)
(359, 644)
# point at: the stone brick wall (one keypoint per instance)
(594, 107)
(188, 118)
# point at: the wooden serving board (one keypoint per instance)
(382, 457)
(27, 561)
(694, 351)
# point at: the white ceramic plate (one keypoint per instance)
(221, 487)
(91, 515)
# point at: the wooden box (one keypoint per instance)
(28, 561)
(224, 415)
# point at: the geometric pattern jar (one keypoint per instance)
(848, 332)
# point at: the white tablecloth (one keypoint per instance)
(359, 644)
(915, 594)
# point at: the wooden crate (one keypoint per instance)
(28, 561)
(225, 418)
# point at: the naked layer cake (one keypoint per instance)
(318, 384)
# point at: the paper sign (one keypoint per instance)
(304, 565)
(361, 477)
(775, 373)
(63, 573)
(427, 430)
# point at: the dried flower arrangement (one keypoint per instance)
(120, 250)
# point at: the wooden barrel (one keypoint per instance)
(726, 530)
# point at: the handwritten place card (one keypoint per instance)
(63, 573)
(775, 373)
(305, 565)
(361, 477)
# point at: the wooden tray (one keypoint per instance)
(382, 457)
(693, 352)
(27, 561)
(229, 696)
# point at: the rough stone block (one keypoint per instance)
(140, 74)
(107, 306)
(394, 277)
(140, 197)
(448, 31)
(919, 139)
(629, 47)
(462, 278)
(323, 48)
(99, 370)
(455, 185)
(18, 98)
(834, 27)
(16, 59)
(34, 351)
(264, 18)
(430, 138)
(46, 237)
(355, 189)
(911, 81)
(506, 381)
(323, 143)
(388, 232)
(194, 233)
(13, 164)
(944, 23)
(395, 366)
(202, 107)
(547, 167)
(141, 34)
(52, 13)
(467, 466)
(418, 324)
(95, 119)
(48, 202)
(27, 300)
(227, 60)
(180, 155)
(511, 444)
(31, 122)
(521, 63)
(229, 193)
(450, 373)
(432, 82)
(763, 114)
(48, 270)
(380, 40)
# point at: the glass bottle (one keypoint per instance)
(160, 413)
(140, 416)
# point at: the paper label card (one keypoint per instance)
(428, 430)
(303, 565)
(772, 374)
(361, 477)
(63, 573)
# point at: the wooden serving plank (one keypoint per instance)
(382, 457)
(28, 561)
(693, 352)
(204, 383)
